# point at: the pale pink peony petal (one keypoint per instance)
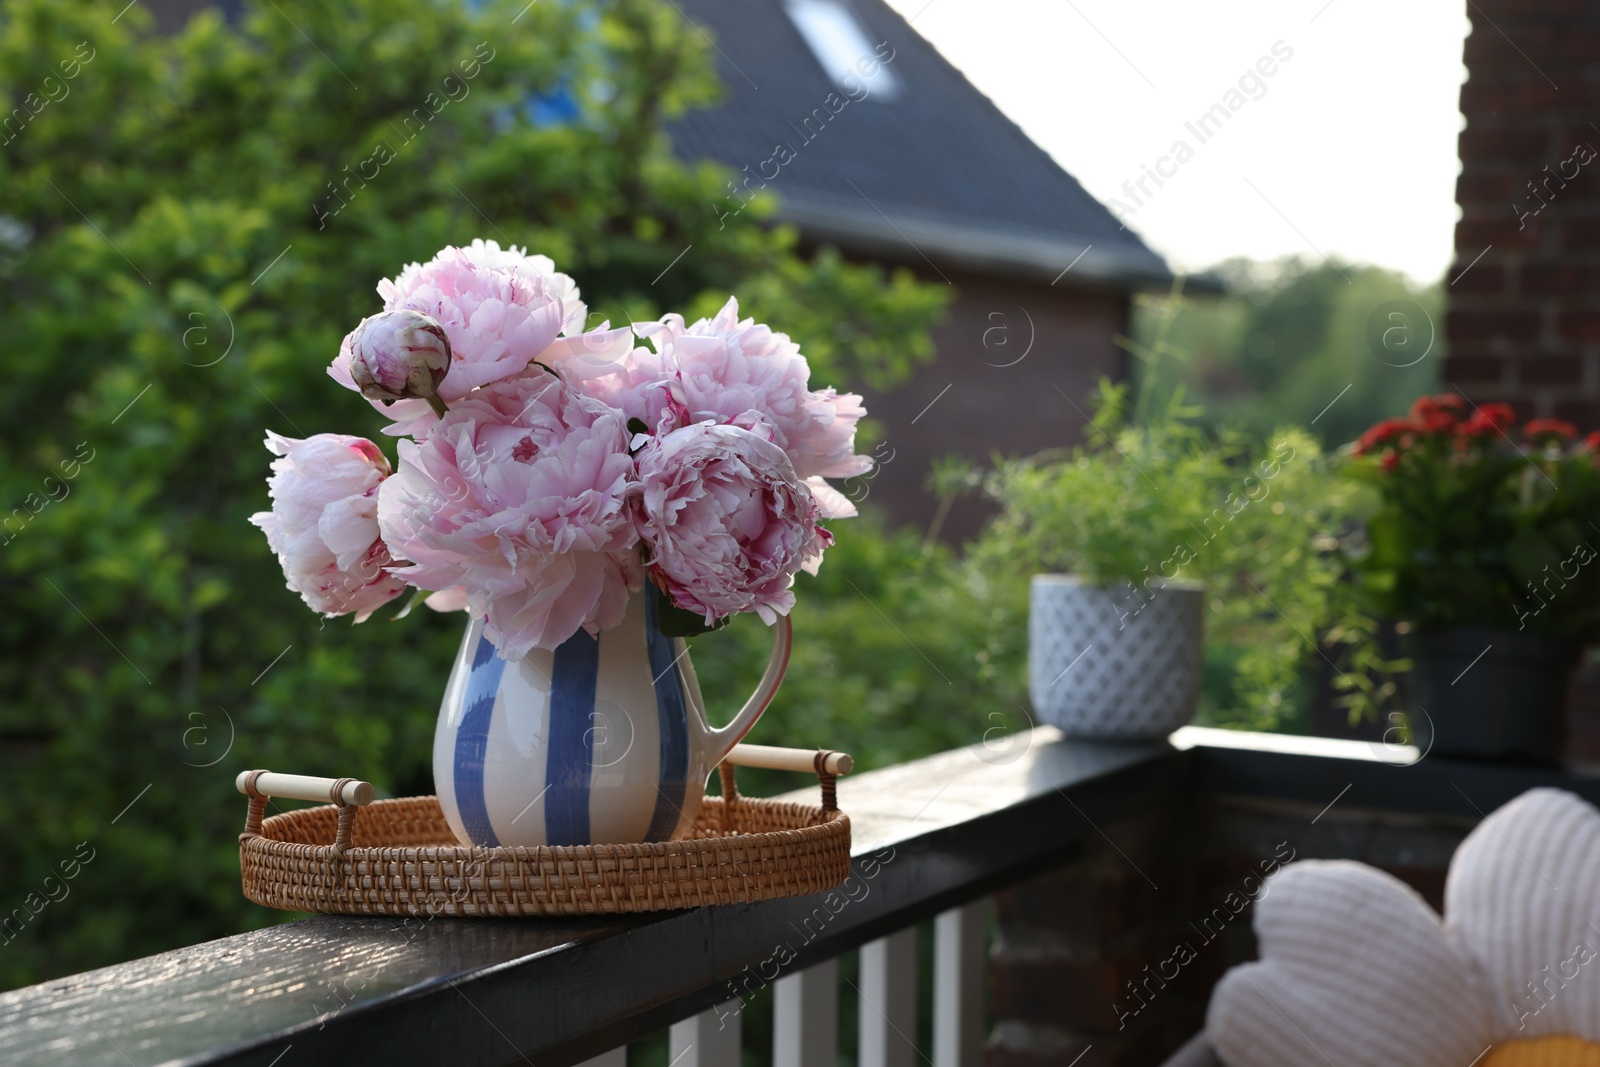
(519, 497)
(323, 523)
(833, 504)
(594, 354)
(347, 527)
(452, 599)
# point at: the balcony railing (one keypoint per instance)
(932, 839)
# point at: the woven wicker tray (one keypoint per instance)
(398, 857)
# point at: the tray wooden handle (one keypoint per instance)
(305, 787)
(826, 764)
(821, 761)
(348, 793)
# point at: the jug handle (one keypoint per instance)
(777, 664)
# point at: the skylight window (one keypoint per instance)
(842, 47)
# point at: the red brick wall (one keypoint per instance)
(998, 399)
(1069, 942)
(1524, 319)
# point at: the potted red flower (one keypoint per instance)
(1484, 540)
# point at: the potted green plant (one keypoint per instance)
(1145, 537)
(1483, 541)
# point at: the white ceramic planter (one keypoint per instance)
(1114, 663)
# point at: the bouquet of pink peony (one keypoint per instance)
(546, 470)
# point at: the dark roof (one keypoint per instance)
(938, 167)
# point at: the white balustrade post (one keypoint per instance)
(805, 1030)
(710, 1039)
(960, 961)
(889, 1000)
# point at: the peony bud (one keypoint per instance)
(399, 355)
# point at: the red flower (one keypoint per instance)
(1488, 419)
(1438, 414)
(1382, 433)
(1591, 443)
(1557, 428)
(1390, 461)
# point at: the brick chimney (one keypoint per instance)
(1524, 292)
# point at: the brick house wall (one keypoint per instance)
(1016, 369)
(1524, 316)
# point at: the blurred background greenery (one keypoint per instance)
(170, 293)
(1288, 341)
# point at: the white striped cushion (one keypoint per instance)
(1523, 898)
(1356, 970)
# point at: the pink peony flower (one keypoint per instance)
(501, 311)
(323, 524)
(517, 501)
(645, 386)
(398, 355)
(824, 444)
(726, 521)
(720, 368)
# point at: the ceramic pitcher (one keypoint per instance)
(602, 741)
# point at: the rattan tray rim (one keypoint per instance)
(799, 849)
(264, 841)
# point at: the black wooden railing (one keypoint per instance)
(932, 838)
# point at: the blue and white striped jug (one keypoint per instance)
(603, 741)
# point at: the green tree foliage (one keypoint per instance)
(1289, 338)
(189, 225)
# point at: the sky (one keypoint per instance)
(1347, 150)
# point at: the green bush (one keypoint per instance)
(188, 227)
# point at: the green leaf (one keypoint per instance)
(1528, 555)
(674, 621)
(417, 597)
